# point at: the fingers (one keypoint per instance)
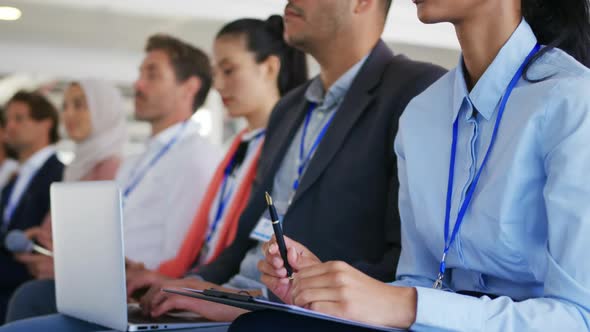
(158, 298)
(140, 280)
(135, 284)
(328, 280)
(269, 269)
(272, 248)
(33, 232)
(308, 297)
(298, 255)
(175, 302)
(274, 258)
(32, 259)
(273, 283)
(267, 244)
(133, 265)
(339, 271)
(166, 306)
(146, 301)
(22, 258)
(45, 240)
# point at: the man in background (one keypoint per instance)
(31, 130)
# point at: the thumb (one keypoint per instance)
(299, 259)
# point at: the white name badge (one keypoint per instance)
(263, 231)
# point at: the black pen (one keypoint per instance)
(278, 230)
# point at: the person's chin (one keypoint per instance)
(295, 41)
(425, 17)
(428, 15)
(234, 112)
(140, 116)
(76, 138)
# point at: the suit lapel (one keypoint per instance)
(357, 99)
(283, 138)
(32, 186)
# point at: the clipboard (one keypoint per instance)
(252, 303)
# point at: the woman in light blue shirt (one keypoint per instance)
(493, 163)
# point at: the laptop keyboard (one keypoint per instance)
(135, 316)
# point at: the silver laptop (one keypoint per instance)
(90, 262)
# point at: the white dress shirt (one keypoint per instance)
(161, 207)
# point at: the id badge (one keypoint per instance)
(263, 231)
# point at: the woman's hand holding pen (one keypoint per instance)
(274, 274)
(338, 289)
(335, 288)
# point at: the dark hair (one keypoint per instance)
(187, 61)
(40, 108)
(563, 24)
(265, 38)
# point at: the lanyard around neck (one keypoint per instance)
(138, 175)
(305, 159)
(469, 195)
(224, 197)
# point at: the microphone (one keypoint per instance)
(17, 242)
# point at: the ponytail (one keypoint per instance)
(563, 24)
(264, 39)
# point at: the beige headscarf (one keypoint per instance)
(109, 132)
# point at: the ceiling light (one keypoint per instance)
(9, 13)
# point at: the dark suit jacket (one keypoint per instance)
(30, 212)
(346, 205)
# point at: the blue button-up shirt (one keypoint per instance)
(526, 233)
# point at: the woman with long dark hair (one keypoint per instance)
(493, 163)
(253, 68)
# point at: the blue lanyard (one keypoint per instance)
(442, 268)
(223, 197)
(138, 176)
(303, 162)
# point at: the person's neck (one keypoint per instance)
(26, 153)
(164, 123)
(482, 39)
(338, 56)
(259, 118)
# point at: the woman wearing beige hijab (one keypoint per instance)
(94, 118)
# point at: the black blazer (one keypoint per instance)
(346, 205)
(30, 212)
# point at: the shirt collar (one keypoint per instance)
(315, 90)
(490, 88)
(168, 134)
(248, 136)
(39, 158)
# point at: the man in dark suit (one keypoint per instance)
(337, 196)
(328, 158)
(31, 129)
